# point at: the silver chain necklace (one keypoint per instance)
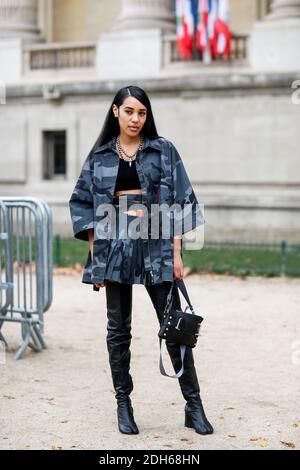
(124, 155)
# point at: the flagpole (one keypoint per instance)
(207, 56)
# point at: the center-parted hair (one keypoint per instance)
(111, 127)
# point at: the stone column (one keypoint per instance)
(145, 14)
(19, 20)
(133, 49)
(18, 26)
(46, 19)
(274, 42)
(284, 9)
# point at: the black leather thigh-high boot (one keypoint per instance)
(119, 312)
(194, 413)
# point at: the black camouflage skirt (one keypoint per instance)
(128, 254)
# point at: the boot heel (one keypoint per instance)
(188, 420)
(126, 422)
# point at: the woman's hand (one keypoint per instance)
(177, 260)
(100, 285)
(177, 266)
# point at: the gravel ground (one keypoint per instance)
(248, 363)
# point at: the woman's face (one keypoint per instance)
(132, 115)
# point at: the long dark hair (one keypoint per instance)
(111, 127)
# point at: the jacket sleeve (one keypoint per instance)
(188, 214)
(81, 202)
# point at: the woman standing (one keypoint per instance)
(131, 163)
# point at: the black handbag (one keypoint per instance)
(178, 326)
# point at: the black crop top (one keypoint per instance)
(127, 177)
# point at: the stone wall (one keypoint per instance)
(237, 134)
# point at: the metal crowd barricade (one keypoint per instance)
(25, 268)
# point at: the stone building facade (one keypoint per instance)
(236, 123)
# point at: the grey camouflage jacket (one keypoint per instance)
(163, 180)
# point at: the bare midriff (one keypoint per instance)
(128, 191)
(138, 212)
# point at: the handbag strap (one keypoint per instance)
(182, 287)
(161, 366)
(180, 283)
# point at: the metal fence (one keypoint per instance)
(25, 268)
(242, 258)
(236, 258)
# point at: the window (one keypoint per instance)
(54, 155)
